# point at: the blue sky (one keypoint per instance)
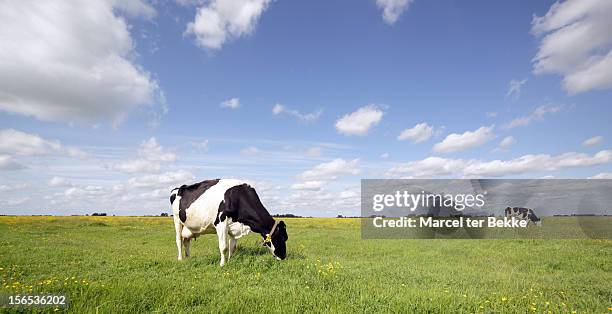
(106, 106)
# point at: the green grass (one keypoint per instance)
(124, 264)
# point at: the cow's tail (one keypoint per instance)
(175, 200)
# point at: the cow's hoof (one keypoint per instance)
(180, 259)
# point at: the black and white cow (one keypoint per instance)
(523, 213)
(231, 209)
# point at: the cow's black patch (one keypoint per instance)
(190, 193)
(182, 215)
(243, 205)
(220, 215)
(172, 198)
(532, 216)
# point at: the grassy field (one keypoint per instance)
(125, 264)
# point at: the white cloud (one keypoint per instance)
(504, 144)
(8, 163)
(537, 114)
(315, 185)
(507, 142)
(348, 194)
(491, 114)
(233, 103)
(19, 201)
(336, 201)
(314, 151)
(392, 9)
(86, 191)
(331, 170)
(437, 166)
(15, 142)
(164, 180)
(154, 194)
(595, 140)
(278, 108)
(13, 187)
(186, 3)
(59, 181)
(603, 175)
(151, 150)
(576, 43)
(25, 144)
(203, 145)
(535, 163)
(514, 89)
(428, 167)
(73, 61)
(137, 165)
(250, 151)
(384, 155)
(458, 142)
(219, 21)
(152, 155)
(419, 133)
(76, 153)
(303, 117)
(360, 121)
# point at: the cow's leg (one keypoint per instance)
(179, 243)
(223, 237)
(186, 242)
(232, 246)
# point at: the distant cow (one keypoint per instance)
(523, 213)
(231, 208)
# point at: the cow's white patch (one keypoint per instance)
(271, 247)
(238, 230)
(186, 233)
(202, 212)
(272, 250)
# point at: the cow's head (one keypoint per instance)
(276, 242)
(533, 217)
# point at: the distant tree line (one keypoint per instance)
(288, 216)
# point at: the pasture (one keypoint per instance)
(128, 264)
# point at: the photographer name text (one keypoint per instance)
(451, 222)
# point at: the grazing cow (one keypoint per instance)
(523, 213)
(230, 208)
